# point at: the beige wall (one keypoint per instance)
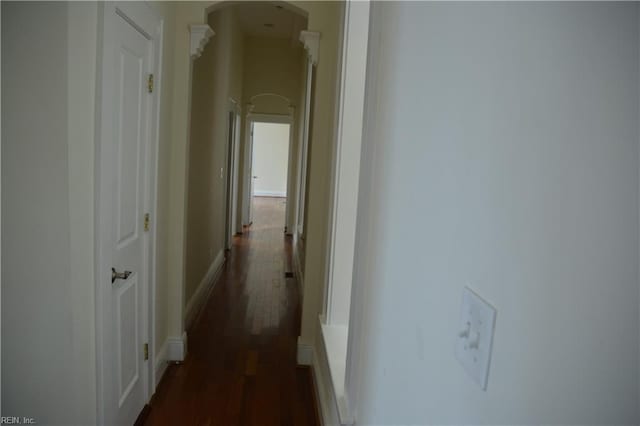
(217, 76)
(272, 66)
(166, 10)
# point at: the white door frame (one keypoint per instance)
(231, 176)
(304, 144)
(149, 22)
(266, 118)
(238, 176)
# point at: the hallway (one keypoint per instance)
(241, 364)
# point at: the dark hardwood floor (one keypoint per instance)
(241, 363)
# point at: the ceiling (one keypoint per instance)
(281, 22)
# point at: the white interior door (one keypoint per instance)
(125, 372)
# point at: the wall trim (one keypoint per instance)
(177, 347)
(279, 194)
(199, 36)
(204, 288)
(311, 41)
(270, 118)
(161, 363)
(298, 269)
(324, 389)
(304, 355)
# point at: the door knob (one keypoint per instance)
(255, 177)
(119, 275)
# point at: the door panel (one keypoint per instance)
(131, 75)
(127, 320)
(131, 102)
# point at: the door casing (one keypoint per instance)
(231, 177)
(148, 21)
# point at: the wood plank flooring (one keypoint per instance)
(241, 363)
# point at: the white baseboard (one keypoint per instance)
(324, 390)
(160, 363)
(334, 409)
(304, 354)
(177, 348)
(298, 271)
(203, 290)
(280, 194)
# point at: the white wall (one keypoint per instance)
(47, 216)
(48, 306)
(500, 152)
(270, 158)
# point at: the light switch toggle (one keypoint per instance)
(474, 341)
(465, 332)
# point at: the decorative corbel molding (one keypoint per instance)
(311, 41)
(200, 35)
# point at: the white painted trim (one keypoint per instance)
(204, 288)
(177, 348)
(311, 42)
(336, 338)
(332, 359)
(298, 269)
(346, 160)
(279, 194)
(304, 353)
(270, 118)
(199, 36)
(247, 170)
(328, 409)
(231, 175)
(291, 177)
(152, 203)
(160, 363)
(302, 151)
(335, 160)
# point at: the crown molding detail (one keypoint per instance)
(311, 41)
(200, 35)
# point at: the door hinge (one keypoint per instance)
(146, 222)
(150, 83)
(146, 351)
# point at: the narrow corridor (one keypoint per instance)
(241, 363)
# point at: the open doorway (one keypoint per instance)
(269, 168)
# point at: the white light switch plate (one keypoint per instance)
(474, 340)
